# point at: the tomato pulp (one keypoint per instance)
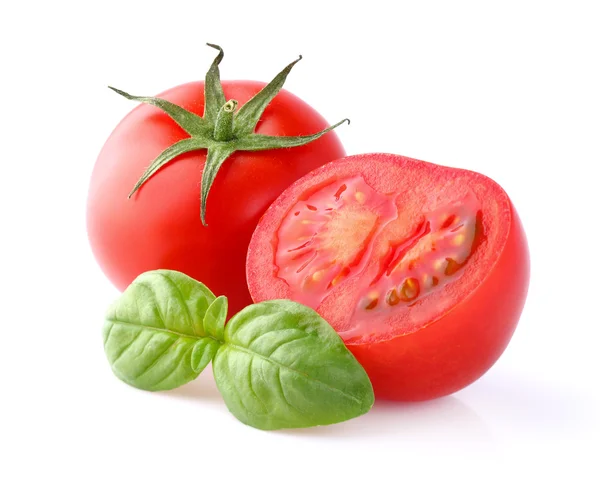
(160, 226)
(422, 269)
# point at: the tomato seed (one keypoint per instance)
(318, 276)
(410, 289)
(452, 267)
(458, 240)
(372, 304)
(392, 297)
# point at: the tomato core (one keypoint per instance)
(327, 237)
(334, 232)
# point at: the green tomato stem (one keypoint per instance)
(220, 131)
(224, 124)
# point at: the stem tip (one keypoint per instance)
(230, 105)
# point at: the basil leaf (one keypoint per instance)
(283, 366)
(215, 317)
(154, 336)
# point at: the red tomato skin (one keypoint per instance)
(440, 356)
(160, 227)
(457, 349)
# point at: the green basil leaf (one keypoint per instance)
(283, 366)
(154, 335)
(215, 317)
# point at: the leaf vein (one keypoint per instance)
(127, 347)
(286, 343)
(303, 374)
(280, 383)
(188, 314)
(153, 363)
(235, 387)
(158, 311)
(170, 372)
(154, 328)
(250, 372)
(108, 333)
(254, 340)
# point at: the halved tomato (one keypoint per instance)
(422, 269)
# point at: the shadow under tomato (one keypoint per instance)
(445, 419)
(534, 408)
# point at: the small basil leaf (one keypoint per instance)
(215, 317)
(154, 336)
(202, 353)
(283, 366)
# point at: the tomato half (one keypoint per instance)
(422, 269)
(160, 226)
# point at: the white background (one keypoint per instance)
(508, 89)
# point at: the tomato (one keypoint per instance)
(422, 269)
(160, 226)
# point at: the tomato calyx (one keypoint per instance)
(221, 130)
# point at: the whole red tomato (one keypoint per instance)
(160, 226)
(422, 269)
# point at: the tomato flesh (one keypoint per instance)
(325, 238)
(391, 250)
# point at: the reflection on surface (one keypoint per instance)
(531, 408)
(441, 420)
(499, 409)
